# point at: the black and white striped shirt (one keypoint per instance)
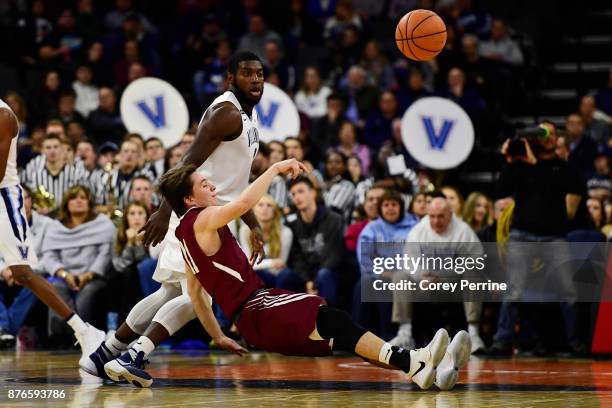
(339, 193)
(120, 183)
(278, 191)
(36, 174)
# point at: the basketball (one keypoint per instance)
(420, 35)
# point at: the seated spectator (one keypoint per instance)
(105, 124)
(582, 148)
(275, 63)
(377, 66)
(277, 151)
(61, 47)
(131, 261)
(370, 208)
(411, 89)
(15, 304)
(597, 213)
(278, 188)
(96, 59)
(597, 129)
(77, 252)
(378, 125)
(471, 19)
(114, 187)
(294, 148)
(19, 108)
(69, 152)
(317, 250)
(337, 188)
(348, 145)
(454, 198)
(355, 169)
(256, 38)
(345, 16)
(278, 239)
(360, 97)
(173, 156)
(500, 46)
(106, 154)
(142, 192)
(599, 184)
(312, 96)
(44, 101)
(463, 95)
(393, 226)
(563, 146)
(155, 155)
(476, 211)
(123, 8)
(131, 55)
(86, 156)
(325, 129)
(52, 172)
(418, 205)
(86, 92)
(494, 231)
(209, 82)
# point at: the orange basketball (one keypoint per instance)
(420, 35)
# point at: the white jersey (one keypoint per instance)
(228, 168)
(11, 177)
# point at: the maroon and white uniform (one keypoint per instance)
(269, 319)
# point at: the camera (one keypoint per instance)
(516, 147)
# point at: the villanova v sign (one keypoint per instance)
(437, 133)
(277, 114)
(153, 107)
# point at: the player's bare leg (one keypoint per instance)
(88, 336)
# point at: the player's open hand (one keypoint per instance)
(291, 167)
(230, 345)
(155, 229)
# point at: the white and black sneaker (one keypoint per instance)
(129, 369)
(424, 361)
(7, 340)
(456, 356)
(89, 340)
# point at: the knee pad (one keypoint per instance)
(337, 324)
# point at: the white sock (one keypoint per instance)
(405, 328)
(473, 329)
(385, 353)
(115, 346)
(142, 344)
(77, 325)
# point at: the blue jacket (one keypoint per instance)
(379, 231)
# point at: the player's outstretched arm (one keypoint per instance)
(8, 129)
(201, 305)
(221, 122)
(215, 217)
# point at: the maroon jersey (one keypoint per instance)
(227, 275)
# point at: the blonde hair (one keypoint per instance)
(470, 206)
(274, 237)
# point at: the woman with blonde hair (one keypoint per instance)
(77, 253)
(277, 240)
(477, 211)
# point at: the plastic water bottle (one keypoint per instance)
(112, 321)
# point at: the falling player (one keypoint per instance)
(223, 150)
(274, 319)
(15, 243)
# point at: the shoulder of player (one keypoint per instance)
(201, 221)
(224, 119)
(8, 121)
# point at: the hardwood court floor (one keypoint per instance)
(202, 380)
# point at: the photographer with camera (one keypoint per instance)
(547, 192)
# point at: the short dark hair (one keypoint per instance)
(264, 149)
(153, 139)
(141, 177)
(300, 179)
(175, 185)
(237, 58)
(435, 194)
(295, 139)
(391, 195)
(51, 136)
(68, 92)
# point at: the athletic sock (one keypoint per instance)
(395, 356)
(75, 322)
(405, 328)
(473, 329)
(143, 344)
(115, 346)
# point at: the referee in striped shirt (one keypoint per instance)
(52, 171)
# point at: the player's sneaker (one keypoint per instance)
(7, 340)
(129, 369)
(94, 365)
(456, 356)
(404, 340)
(478, 346)
(89, 339)
(424, 361)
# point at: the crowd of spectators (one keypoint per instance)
(81, 167)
